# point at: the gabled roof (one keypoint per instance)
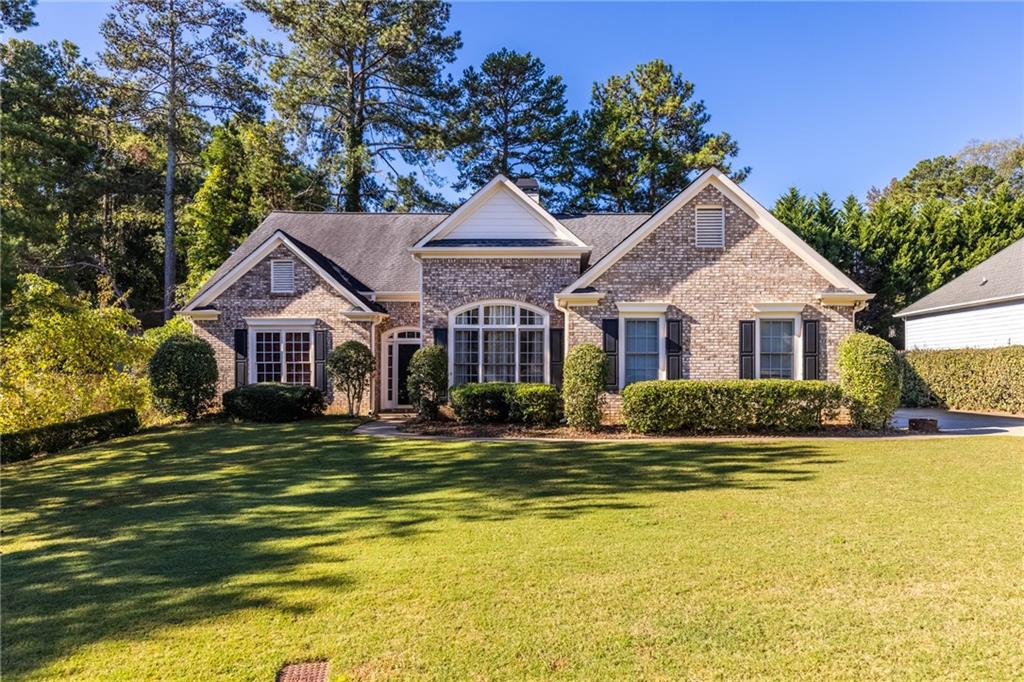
(500, 186)
(749, 205)
(998, 279)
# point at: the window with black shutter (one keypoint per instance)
(674, 348)
(746, 349)
(556, 340)
(241, 357)
(812, 365)
(610, 343)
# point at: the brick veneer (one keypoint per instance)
(711, 290)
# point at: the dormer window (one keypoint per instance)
(282, 276)
(710, 227)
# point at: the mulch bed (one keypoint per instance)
(513, 431)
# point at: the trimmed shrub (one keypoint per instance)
(870, 374)
(427, 381)
(539, 404)
(729, 406)
(582, 385)
(272, 402)
(95, 428)
(183, 374)
(483, 403)
(350, 366)
(982, 379)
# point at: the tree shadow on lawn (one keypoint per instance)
(178, 525)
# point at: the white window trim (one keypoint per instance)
(798, 340)
(273, 264)
(281, 326)
(389, 339)
(696, 210)
(637, 313)
(481, 327)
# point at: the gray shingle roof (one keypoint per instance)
(370, 251)
(999, 277)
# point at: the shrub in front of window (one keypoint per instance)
(729, 406)
(871, 376)
(427, 380)
(537, 404)
(183, 374)
(350, 366)
(273, 402)
(982, 379)
(95, 428)
(582, 385)
(483, 403)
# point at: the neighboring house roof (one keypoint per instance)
(1000, 278)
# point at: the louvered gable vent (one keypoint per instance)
(282, 276)
(710, 227)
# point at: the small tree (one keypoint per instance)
(183, 374)
(350, 366)
(582, 386)
(871, 378)
(428, 380)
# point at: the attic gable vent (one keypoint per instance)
(282, 276)
(710, 230)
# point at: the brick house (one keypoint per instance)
(711, 286)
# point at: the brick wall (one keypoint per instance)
(711, 290)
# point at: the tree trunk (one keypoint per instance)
(172, 162)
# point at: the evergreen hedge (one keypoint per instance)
(21, 445)
(870, 374)
(427, 381)
(503, 402)
(273, 402)
(982, 379)
(582, 385)
(729, 406)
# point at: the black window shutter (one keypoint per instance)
(674, 348)
(610, 327)
(441, 336)
(556, 338)
(241, 357)
(320, 359)
(746, 349)
(812, 366)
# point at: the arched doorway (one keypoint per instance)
(397, 348)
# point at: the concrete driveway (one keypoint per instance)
(966, 423)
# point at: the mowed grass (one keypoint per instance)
(223, 551)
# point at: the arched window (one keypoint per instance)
(498, 341)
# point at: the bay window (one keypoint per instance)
(499, 342)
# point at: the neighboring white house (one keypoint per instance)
(982, 308)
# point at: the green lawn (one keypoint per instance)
(222, 551)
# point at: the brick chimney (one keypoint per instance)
(530, 187)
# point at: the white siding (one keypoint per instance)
(502, 216)
(985, 327)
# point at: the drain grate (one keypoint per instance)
(310, 671)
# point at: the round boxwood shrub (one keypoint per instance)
(870, 375)
(538, 404)
(582, 385)
(273, 402)
(350, 366)
(183, 374)
(427, 381)
(483, 403)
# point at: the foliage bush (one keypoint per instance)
(183, 375)
(582, 385)
(870, 374)
(729, 406)
(982, 379)
(427, 380)
(502, 402)
(350, 365)
(95, 428)
(64, 357)
(273, 402)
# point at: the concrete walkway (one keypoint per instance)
(963, 423)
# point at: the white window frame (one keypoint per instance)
(480, 327)
(274, 264)
(696, 212)
(798, 340)
(390, 340)
(281, 326)
(642, 311)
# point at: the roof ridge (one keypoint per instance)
(341, 213)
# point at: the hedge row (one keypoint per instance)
(273, 402)
(21, 445)
(501, 402)
(729, 406)
(987, 379)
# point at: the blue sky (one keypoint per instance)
(828, 96)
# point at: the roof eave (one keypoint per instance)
(907, 312)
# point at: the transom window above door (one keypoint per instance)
(499, 341)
